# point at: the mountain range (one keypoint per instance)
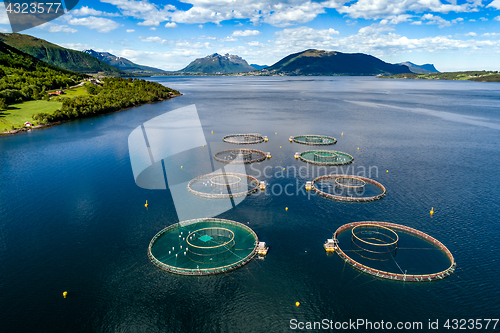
(308, 62)
(218, 64)
(59, 56)
(319, 62)
(420, 69)
(122, 63)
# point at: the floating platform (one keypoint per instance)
(325, 157)
(223, 185)
(396, 276)
(351, 184)
(241, 156)
(262, 249)
(314, 140)
(244, 139)
(203, 247)
(330, 245)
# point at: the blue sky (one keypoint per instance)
(452, 35)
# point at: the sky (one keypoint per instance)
(453, 35)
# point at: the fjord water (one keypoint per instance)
(72, 218)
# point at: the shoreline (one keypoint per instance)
(48, 125)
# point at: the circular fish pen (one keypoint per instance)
(348, 188)
(393, 251)
(325, 157)
(245, 156)
(314, 140)
(223, 185)
(244, 139)
(203, 246)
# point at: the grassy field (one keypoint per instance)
(17, 114)
(80, 91)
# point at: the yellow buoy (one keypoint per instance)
(283, 169)
(276, 133)
(212, 132)
(146, 205)
(203, 145)
(280, 146)
(182, 167)
(358, 148)
(286, 208)
(297, 303)
(387, 171)
(65, 294)
(432, 211)
(342, 134)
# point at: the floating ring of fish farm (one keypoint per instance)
(203, 246)
(325, 157)
(223, 185)
(245, 156)
(389, 242)
(354, 189)
(244, 139)
(314, 140)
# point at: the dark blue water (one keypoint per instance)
(72, 218)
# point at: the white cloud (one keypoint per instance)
(245, 33)
(495, 4)
(228, 39)
(458, 19)
(174, 60)
(86, 11)
(254, 43)
(155, 39)
(283, 13)
(375, 28)
(484, 19)
(152, 29)
(170, 25)
(434, 19)
(491, 34)
(4, 19)
(98, 23)
(149, 23)
(76, 46)
(53, 27)
(472, 20)
(416, 23)
(376, 9)
(471, 34)
(130, 30)
(497, 18)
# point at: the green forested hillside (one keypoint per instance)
(24, 78)
(59, 56)
(113, 95)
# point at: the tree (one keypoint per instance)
(3, 104)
